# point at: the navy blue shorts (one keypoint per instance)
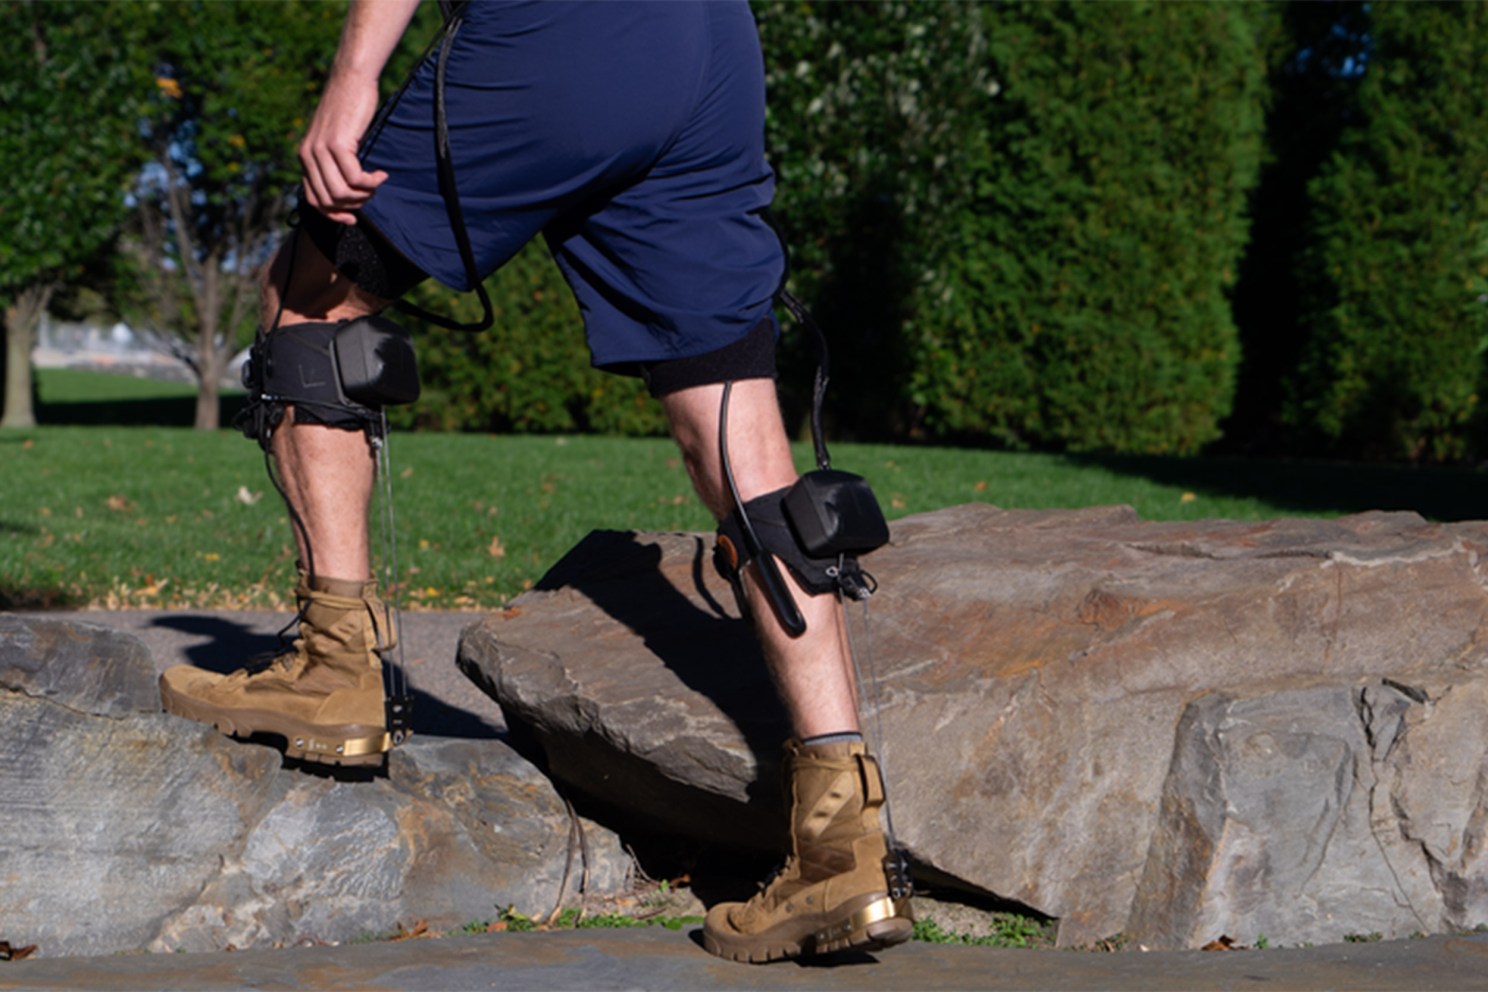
(631, 135)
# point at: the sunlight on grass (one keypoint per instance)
(120, 517)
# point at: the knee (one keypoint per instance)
(300, 284)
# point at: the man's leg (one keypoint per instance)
(834, 893)
(325, 697)
(327, 471)
(813, 672)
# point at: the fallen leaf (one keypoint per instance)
(246, 497)
(420, 929)
(1187, 498)
(496, 549)
(118, 503)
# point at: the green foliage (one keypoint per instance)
(1021, 223)
(1082, 301)
(1023, 218)
(67, 133)
(1312, 54)
(530, 372)
(875, 120)
(1395, 272)
(68, 110)
(236, 84)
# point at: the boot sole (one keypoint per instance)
(881, 924)
(330, 745)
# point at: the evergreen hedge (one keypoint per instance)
(1023, 218)
(1394, 273)
(1085, 304)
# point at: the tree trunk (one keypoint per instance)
(22, 316)
(208, 412)
(209, 367)
(208, 292)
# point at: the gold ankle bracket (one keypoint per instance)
(875, 912)
(354, 748)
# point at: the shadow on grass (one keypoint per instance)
(1441, 494)
(14, 597)
(161, 411)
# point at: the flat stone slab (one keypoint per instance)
(659, 959)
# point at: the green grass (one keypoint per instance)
(120, 516)
(1007, 930)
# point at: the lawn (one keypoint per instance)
(136, 516)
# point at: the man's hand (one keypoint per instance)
(335, 182)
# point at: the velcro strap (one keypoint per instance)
(767, 520)
(383, 628)
(873, 787)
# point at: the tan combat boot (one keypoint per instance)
(833, 893)
(324, 696)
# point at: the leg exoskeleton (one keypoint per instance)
(337, 374)
(817, 527)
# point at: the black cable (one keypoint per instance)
(771, 580)
(445, 40)
(819, 387)
(803, 317)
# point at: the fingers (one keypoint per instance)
(335, 182)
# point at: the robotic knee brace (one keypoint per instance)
(818, 527)
(337, 374)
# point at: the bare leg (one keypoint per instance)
(327, 472)
(813, 672)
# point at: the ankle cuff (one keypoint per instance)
(844, 737)
(346, 588)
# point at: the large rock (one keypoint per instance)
(1176, 730)
(127, 829)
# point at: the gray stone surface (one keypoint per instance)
(657, 959)
(1182, 730)
(127, 829)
